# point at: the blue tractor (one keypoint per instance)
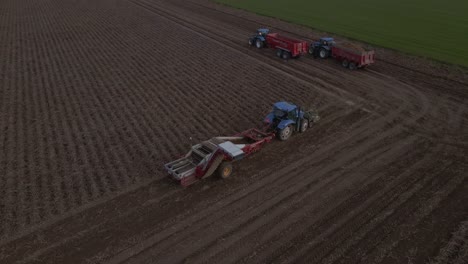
(322, 48)
(259, 38)
(286, 118)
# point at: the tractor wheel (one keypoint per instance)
(285, 133)
(251, 42)
(286, 55)
(304, 125)
(311, 51)
(259, 44)
(279, 53)
(345, 63)
(323, 53)
(224, 170)
(352, 66)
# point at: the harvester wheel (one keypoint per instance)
(352, 66)
(224, 170)
(285, 133)
(323, 53)
(345, 63)
(304, 125)
(286, 55)
(279, 53)
(259, 44)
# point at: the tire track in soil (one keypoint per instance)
(454, 122)
(455, 252)
(353, 230)
(427, 199)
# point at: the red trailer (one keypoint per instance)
(216, 156)
(350, 56)
(352, 59)
(285, 47)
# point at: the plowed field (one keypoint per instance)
(95, 96)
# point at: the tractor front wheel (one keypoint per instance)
(259, 44)
(279, 53)
(304, 125)
(285, 133)
(224, 170)
(251, 42)
(323, 53)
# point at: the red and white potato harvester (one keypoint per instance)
(216, 156)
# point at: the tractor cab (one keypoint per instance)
(263, 31)
(325, 42)
(282, 110)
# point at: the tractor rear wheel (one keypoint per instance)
(345, 63)
(224, 170)
(304, 125)
(323, 53)
(279, 53)
(352, 66)
(285, 133)
(286, 55)
(259, 44)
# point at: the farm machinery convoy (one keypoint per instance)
(216, 155)
(285, 47)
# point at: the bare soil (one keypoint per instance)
(95, 96)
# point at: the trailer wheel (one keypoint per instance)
(285, 133)
(286, 55)
(304, 125)
(323, 53)
(345, 63)
(259, 44)
(224, 170)
(352, 66)
(279, 53)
